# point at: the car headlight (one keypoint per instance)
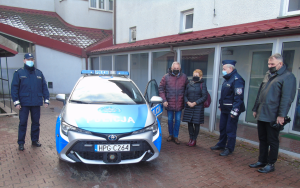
(65, 128)
(153, 128)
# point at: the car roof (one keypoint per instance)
(121, 78)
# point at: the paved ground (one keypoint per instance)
(177, 166)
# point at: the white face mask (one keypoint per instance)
(29, 63)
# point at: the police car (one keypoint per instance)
(107, 120)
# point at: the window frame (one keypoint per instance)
(286, 11)
(105, 5)
(131, 29)
(184, 14)
(112, 8)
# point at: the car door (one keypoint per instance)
(150, 91)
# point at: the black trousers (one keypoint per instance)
(35, 112)
(193, 130)
(268, 139)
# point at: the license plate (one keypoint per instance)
(112, 147)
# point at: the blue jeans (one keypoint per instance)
(174, 128)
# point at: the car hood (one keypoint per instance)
(108, 118)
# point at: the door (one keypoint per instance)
(296, 126)
(152, 90)
(259, 68)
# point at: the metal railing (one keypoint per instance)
(2, 79)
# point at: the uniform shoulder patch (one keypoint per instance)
(236, 78)
(239, 91)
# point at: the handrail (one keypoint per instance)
(2, 79)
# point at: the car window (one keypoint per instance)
(99, 90)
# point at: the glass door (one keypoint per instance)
(291, 57)
(258, 71)
(296, 126)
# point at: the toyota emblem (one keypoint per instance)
(112, 137)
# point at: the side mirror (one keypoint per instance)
(61, 97)
(156, 99)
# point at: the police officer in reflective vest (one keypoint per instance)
(28, 88)
(231, 105)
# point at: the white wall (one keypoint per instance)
(156, 18)
(46, 5)
(62, 69)
(78, 13)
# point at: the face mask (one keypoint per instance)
(196, 78)
(224, 73)
(29, 63)
(175, 72)
(272, 70)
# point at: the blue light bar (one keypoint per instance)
(105, 72)
(87, 72)
(126, 73)
(101, 72)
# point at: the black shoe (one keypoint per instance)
(257, 164)
(226, 152)
(21, 147)
(216, 147)
(36, 143)
(268, 168)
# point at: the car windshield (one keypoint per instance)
(97, 90)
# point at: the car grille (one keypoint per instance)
(89, 153)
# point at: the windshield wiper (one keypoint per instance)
(108, 102)
(77, 101)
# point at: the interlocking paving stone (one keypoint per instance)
(177, 165)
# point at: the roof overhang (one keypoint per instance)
(248, 31)
(43, 41)
(246, 36)
(7, 47)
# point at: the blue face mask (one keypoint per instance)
(29, 63)
(224, 73)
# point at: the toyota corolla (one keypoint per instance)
(107, 120)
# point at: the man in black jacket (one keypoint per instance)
(274, 99)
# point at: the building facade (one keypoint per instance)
(151, 34)
(58, 33)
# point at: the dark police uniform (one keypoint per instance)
(231, 103)
(28, 88)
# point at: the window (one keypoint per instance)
(100, 4)
(139, 69)
(132, 34)
(291, 7)
(121, 62)
(187, 18)
(111, 4)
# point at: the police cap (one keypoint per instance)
(231, 62)
(28, 56)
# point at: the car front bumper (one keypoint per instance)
(80, 148)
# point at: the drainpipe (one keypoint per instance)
(115, 27)
(86, 63)
(174, 51)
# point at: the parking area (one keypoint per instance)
(177, 165)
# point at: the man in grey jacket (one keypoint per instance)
(274, 99)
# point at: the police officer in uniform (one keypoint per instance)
(231, 104)
(28, 88)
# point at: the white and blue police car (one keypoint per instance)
(107, 120)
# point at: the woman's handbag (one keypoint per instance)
(208, 100)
